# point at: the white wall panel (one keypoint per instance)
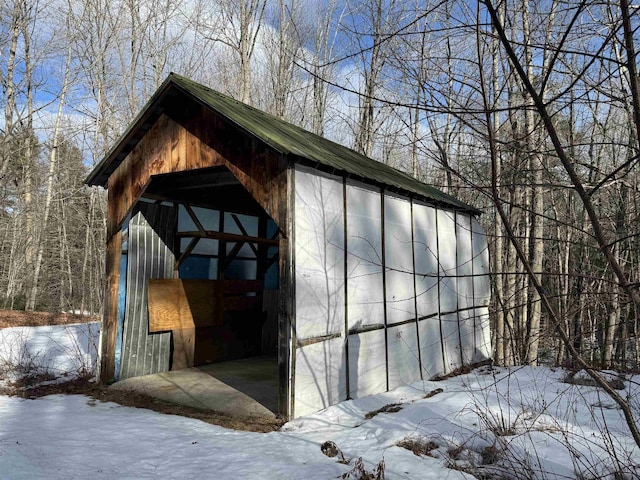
(451, 341)
(402, 345)
(481, 280)
(430, 347)
(398, 254)
(320, 376)
(447, 261)
(464, 270)
(365, 300)
(483, 348)
(466, 323)
(367, 363)
(426, 259)
(464, 261)
(319, 254)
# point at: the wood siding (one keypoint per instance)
(192, 138)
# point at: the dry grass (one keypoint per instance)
(390, 408)
(419, 446)
(19, 318)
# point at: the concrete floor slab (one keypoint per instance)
(246, 387)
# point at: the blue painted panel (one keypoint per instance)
(242, 270)
(199, 267)
(122, 295)
(271, 277)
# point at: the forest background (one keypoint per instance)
(528, 110)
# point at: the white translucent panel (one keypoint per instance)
(245, 250)
(398, 257)
(319, 254)
(184, 243)
(365, 300)
(447, 261)
(466, 320)
(425, 246)
(206, 246)
(185, 223)
(321, 376)
(248, 223)
(430, 347)
(464, 259)
(451, 342)
(367, 364)
(210, 219)
(481, 280)
(402, 348)
(483, 349)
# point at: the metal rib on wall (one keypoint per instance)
(151, 233)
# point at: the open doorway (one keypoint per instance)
(221, 303)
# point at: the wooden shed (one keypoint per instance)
(232, 233)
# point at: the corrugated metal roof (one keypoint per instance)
(282, 136)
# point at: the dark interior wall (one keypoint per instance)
(247, 317)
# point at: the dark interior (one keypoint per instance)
(226, 250)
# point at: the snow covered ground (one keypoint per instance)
(56, 350)
(518, 423)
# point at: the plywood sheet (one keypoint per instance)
(177, 304)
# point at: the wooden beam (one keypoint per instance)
(244, 232)
(187, 252)
(110, 315)
(286, 300)
(227, 237)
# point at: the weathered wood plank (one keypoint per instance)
(202, 140)
(110, 316)
(286, 299)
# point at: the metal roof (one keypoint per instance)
(282, 136)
